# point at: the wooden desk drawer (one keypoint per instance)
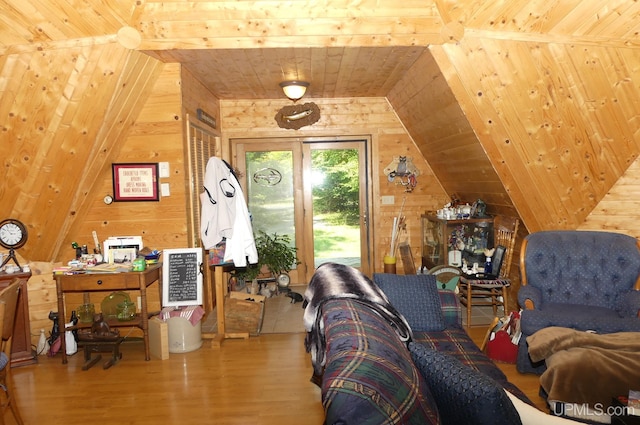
(102, 282)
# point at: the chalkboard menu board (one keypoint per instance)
(182, 277)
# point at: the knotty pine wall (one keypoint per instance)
(618, 210)
(558, 122)
(348, 117)
(552, 152)
(156, 136)
(66, 112)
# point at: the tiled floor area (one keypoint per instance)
(283, 316)
(480, 316)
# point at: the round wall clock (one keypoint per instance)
(13, 235)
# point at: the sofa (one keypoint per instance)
(582, 280)
(374, 370)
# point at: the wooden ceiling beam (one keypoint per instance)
(586, 40)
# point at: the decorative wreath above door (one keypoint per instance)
(294, 117)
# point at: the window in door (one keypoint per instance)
(337, 185)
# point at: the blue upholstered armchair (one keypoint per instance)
(584, 280)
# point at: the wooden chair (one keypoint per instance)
(8, 306)
(492, 292)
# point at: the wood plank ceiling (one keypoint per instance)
(243, 50)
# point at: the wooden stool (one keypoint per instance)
(102, 347)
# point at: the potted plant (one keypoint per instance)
(275, 253)
(275, 258)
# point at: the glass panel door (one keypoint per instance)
(315, 192)
(337, 183)
(271, 181)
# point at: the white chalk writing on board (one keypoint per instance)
(182, 277)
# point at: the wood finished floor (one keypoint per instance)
(262, 380)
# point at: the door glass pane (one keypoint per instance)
(336, 206)
(270, 193)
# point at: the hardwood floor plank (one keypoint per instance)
(262, 380)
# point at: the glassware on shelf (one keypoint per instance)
(126, 311)
(85, 313)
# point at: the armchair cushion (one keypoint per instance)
(599, 319)
(415, 297)
(628, 303)
(581, 267)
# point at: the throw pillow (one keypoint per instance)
(416, 298)
(463, 395)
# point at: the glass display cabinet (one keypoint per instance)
(454, 242)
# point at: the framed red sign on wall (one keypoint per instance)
(135, 182)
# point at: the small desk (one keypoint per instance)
(101, 282)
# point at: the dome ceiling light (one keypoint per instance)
(294, 90)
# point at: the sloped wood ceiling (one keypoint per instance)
(530, 105)
(427, 106)
(558, 121)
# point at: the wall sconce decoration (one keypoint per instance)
(294, 90)
(294, 117)
(402, 171)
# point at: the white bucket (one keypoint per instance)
(183, 336)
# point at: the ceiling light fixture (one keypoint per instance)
(294, 90)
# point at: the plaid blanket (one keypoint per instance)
(337, 281)
(369, 376)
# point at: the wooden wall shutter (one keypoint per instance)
(200, 147)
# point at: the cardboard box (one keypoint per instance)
(158, 338)
(244, 313)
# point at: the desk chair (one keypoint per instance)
(8, 306)
(492, 290)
